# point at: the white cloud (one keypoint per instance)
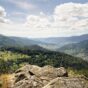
(2, 12)
(73, 17)
(41, 21)
(3, 20)
(67, 20)
(3, 15)
(22, 31)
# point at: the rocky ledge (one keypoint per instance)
(31, 76)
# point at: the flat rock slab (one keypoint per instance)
(67, 82)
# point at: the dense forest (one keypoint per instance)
(11, 58)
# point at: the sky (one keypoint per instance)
(43, 18)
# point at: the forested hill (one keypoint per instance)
(6, 41)
(19, 56)
(76, 49)
(16, 41)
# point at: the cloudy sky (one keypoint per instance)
(43, 18)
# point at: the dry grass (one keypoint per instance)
(5, 80)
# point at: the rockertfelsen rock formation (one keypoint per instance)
(31, 76)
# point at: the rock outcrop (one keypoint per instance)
(67, 82)
(31, 76)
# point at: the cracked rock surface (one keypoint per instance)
(32, 76)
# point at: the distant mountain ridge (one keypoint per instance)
(16, 41)
(52, 43)
(56, 40)
(6, 41)
(61, 41)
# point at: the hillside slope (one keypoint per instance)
(60, 41)
(77, 49)
(6, 41)
(16, 41)
(41, 58)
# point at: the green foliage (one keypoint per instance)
(8, 55)
(8, 61)
(13, 58)
(74, 72)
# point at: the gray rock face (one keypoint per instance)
(31, 76)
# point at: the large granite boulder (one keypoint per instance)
(31, 76)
